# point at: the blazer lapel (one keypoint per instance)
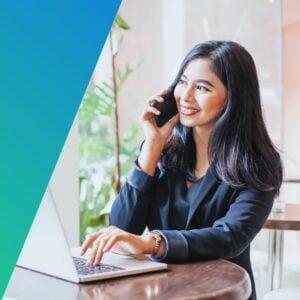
(201, 190)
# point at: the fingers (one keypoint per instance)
(153, 110)
(111, 242)
(102, 241)
(97, 251)
(164, 92)
(89, 240)
(150, 110)
(102, 247)
(91, 260)
(171, 123)
(155, 98)
(113, 237)
(153, 101)
(158, 97)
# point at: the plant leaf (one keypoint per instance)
(121, 23)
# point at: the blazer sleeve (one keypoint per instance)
(229, 236)
(132, 206)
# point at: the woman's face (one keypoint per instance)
(200, 95)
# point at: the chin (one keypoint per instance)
(187, 123)
(196, 123)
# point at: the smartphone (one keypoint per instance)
(167, 109)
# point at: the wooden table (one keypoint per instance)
(277, 223)
(215, 279)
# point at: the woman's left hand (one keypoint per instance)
(113, 238)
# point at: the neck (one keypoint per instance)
(201, 138)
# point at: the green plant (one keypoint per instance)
(105, 154)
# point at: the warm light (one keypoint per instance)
(152, 290)
(148, 291)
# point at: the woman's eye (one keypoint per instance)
(202, 88)
(182, 81)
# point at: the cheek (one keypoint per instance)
(213, 105)
(177, 94)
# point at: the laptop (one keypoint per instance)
(46, 250)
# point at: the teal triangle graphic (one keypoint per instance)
(47, 55)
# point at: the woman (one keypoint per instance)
(204, 183)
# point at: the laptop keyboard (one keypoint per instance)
(83, 269)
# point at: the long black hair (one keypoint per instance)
(240, 150)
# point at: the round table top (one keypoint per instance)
(287, 220)
(215, 279)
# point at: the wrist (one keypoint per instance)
(149, 157)
(152, 149)
(156, 242)
(149, 243)
(154, 144)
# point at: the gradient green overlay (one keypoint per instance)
(47, 55)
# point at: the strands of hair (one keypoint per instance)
(240, 150)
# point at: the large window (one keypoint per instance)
(161, 32)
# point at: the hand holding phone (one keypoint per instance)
(167, 108)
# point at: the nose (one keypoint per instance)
(188, 94)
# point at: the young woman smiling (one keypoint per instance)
(204, 183)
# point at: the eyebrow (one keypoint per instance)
(200, 81)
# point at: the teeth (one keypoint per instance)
(188, 111)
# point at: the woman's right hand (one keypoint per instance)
(155, 137)
(153, 133)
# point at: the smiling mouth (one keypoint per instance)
(188, 111)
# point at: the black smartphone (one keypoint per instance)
(167, 109)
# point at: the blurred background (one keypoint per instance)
(141, 56)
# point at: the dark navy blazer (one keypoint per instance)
(221, 221)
